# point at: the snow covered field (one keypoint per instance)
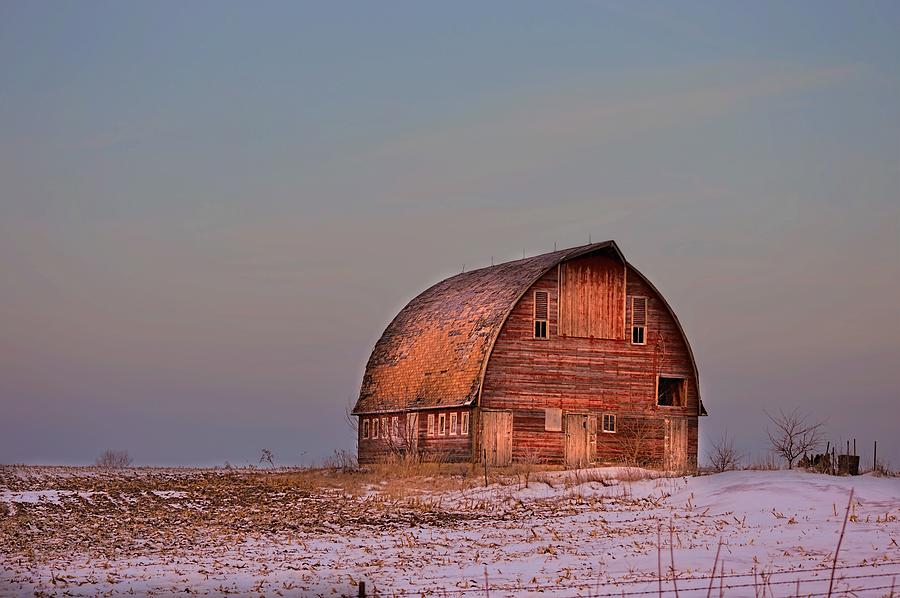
(83, 532)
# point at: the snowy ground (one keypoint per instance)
(80, 532)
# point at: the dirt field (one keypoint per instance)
(86, 532)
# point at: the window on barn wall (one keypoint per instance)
(365, 429)
(609, 423)
(453, 424)
(384, 427)
(553, 420)
(639, 320)
(431, 424)
(442, 424)
(670, 392)
(541, 313)
(464, 423)
(395, 427)
(375, 428)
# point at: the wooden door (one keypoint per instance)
(496, 437)
(676, 444)
(412, 432)
(578, 447)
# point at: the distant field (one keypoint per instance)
(86, 532)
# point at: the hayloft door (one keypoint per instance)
(496, 437)
(578, 436)
(676, 443)
(412, 432)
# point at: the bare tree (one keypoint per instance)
(113, 459)
(793, 435)
(722, 454)
(267, 456)
(352, 420)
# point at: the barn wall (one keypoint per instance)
(589, 375)
(449, 448)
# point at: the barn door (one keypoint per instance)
(496, 437)
(412, 432)
(578, 446)
(676, 443)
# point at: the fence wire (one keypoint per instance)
(761, 578)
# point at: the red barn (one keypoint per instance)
(571, 357)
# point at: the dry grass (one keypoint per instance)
(765, 463)
(114, 513)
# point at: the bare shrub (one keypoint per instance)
(113, 459)
(404, 445)
(722, 454)
(634, 441)
(341, 459)
(883, 468)
(267, 456)
(527, 461)
(793, 435)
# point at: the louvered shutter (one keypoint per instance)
(638, 311)
(541, 305)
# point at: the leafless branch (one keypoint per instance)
(722, 454)
(793, 434)
(113, 459)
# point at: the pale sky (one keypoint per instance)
(209, 211)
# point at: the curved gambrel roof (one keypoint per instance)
(435, 351)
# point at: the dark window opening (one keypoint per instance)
(670, 392)
(540, 329)
(637, 335)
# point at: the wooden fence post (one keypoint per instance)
(362, 589)
(875, 458)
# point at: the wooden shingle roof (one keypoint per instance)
(433, 354)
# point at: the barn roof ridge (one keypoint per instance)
(597, 245)
(435, 351)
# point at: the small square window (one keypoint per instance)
(464, 423)
(431, 424)
(442, 424)
(453, 424)
(609, 423)
(365, 430)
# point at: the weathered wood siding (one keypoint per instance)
(590, 375)
(450, 447)
(592, 297)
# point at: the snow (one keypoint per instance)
(591, 532)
